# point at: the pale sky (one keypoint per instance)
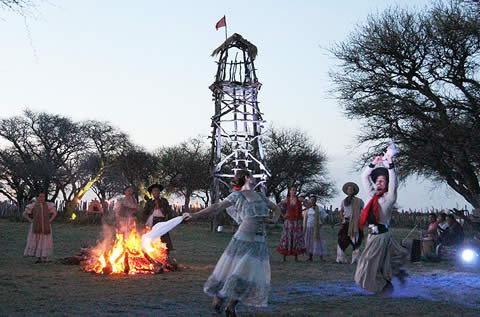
(145, 66)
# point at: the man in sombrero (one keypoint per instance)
(350, 234)
(382, 257)
(158, 210)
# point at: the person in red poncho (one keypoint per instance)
(292, 241)
(382, 257)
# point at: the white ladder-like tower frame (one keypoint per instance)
(237, 125)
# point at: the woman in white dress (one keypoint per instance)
(243, 272)
(313, 219)
(40, 214)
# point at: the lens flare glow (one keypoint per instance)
(468, 255)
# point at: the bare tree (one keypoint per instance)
(104, 144)
(294, 159)
(138, 168)
(13, 183)
(52, 153)
(108, 145)
(111, 182)
(413, 77)
(45, 145)
(184, 168)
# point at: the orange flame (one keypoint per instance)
(126, 256)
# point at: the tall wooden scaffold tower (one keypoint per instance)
(237, 125)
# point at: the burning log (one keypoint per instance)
(78, 258)
(107, 269)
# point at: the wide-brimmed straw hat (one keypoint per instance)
(355, 188)
(379, 171)
(151, 187)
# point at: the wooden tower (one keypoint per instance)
(237, 124)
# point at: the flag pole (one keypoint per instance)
(225, 28)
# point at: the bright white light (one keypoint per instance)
(467, 255)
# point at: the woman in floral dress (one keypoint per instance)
(243, 272)
(292, 241)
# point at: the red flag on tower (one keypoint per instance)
(221, 23)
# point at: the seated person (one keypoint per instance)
(95, 206)
(442, 224)
(450, 240)
(429, 236)
(454, 234)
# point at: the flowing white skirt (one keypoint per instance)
(243, 271)
(315, 247)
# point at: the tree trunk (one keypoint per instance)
(70, 206)
(187, 201)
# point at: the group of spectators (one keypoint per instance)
(444, 235)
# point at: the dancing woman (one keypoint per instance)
(243, 272)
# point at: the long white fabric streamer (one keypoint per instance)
(159, 230)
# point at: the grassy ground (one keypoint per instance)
(297, 288)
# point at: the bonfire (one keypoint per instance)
(124, 255)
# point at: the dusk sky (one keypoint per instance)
(145, 66)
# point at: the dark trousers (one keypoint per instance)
(166, 237)
(344, 240)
